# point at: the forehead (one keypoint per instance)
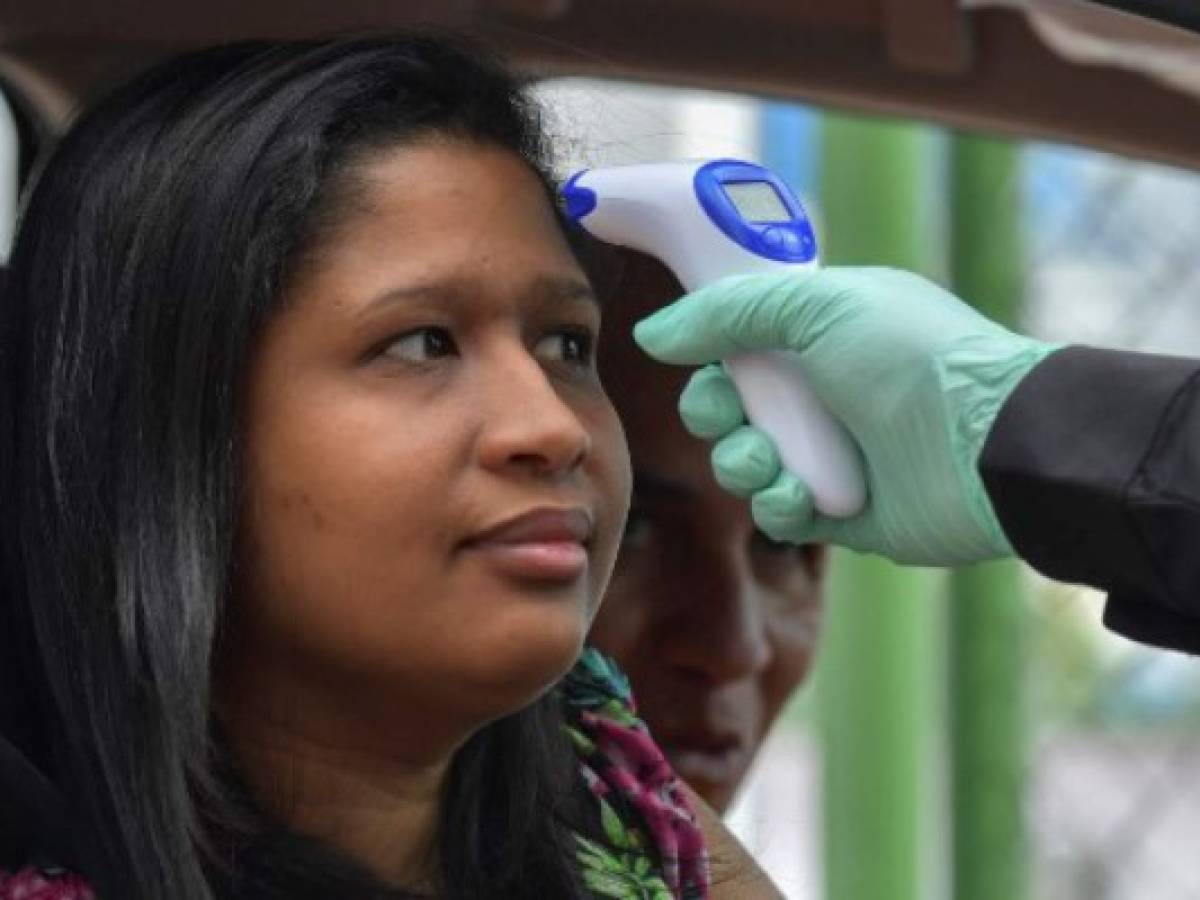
(462, 227)
(442, 203)
(445, 169)
(631, 287)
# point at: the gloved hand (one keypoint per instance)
(915, 375)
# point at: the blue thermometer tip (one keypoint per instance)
(577, 201)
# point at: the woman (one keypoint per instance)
(311, 492)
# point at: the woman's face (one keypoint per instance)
(436, 481)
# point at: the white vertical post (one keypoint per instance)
(9, 146)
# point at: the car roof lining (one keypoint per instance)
(977, 67)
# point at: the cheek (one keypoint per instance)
(794, 632)
(608, 469)
(340, 560)
(795, 623)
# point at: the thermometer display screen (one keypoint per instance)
(757, 201)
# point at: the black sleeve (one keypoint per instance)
(1093, 468)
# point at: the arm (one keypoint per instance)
(1093, 468)
(976, 442)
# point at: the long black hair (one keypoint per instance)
(157, 241)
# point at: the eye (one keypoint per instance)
(767, 545)
(422, 345)
(570, 345)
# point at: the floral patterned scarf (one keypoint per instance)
(655, 849)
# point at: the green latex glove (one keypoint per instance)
(914, 374)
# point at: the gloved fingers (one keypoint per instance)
(745, 461)
(775, 311)
(735, 314)
(710, 405)
(784, 509)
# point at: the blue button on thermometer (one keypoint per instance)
(705, 220)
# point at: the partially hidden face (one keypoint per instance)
(436, 482)
(715, 624)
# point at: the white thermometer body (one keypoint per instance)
(705, 220)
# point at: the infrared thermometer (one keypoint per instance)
(705, 220)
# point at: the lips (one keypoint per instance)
(546, 544)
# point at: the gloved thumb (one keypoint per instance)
(730, 316)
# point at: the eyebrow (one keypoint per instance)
(545, 287)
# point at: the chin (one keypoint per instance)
(527, 657)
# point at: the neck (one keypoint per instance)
(381, 812)
(356, 780)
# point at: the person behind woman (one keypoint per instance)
(310, 493)
(715, 624)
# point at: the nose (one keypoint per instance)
(718, 632)
(527, 424)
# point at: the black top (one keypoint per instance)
(1093, 468)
